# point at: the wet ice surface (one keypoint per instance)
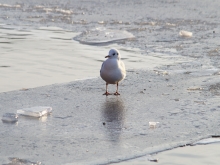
(178, 85)
(75, 133)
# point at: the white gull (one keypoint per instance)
(112, 70)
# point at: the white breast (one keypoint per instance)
(113, 71)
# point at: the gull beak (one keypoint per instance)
(107, 56)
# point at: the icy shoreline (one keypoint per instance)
(79, 110)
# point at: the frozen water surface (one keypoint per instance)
(171, 79)
(76, 127)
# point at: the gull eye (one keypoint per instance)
(113, 54)
(117, 53)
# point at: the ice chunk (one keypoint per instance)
(183, 33)
(153, 124)
(18, 161)
(102, 35)
(35, 111)
(10, 118)
(194, 88)
(152, 159)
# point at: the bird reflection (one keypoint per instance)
(113, 113)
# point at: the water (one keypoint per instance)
(39, 46)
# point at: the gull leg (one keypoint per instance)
(116, 93)
(106, 90)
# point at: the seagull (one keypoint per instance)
(112, 70)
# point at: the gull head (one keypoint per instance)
(113, 53)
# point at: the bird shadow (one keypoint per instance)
(113, 115)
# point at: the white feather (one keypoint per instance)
(113, 69)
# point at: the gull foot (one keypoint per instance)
(107, 93)
(116, 93)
